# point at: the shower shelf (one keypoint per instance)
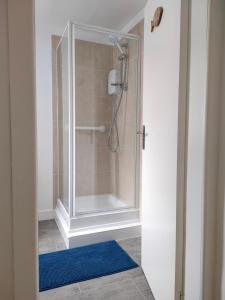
(101, 128)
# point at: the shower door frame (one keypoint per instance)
(72, 120)
(67, 33)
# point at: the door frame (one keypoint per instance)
(22, 99)
(19, 59)
(205, 121)
(204, 104)
(182, 149)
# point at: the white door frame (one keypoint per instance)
(17, 42)
(22, 110)
(204, 93)
(182, 149)
(195, 181)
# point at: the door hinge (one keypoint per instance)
(181, 295)
(143, 134)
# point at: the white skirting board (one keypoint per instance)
(48, 214)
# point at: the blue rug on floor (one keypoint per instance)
(65, 267)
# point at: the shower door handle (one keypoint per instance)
(143, 135)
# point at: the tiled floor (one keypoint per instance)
(128, 285)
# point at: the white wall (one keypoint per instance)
(44, 119)
(134, 21)
(44, 116)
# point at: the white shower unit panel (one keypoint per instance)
(97, 227)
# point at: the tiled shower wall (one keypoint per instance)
(99, 171)
(139, 30)
(93, 108)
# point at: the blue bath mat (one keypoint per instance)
(65, 267)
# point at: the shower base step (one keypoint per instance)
(90, 229)
(92, 236)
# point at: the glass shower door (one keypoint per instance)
(106, 176)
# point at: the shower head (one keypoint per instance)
(116, 42)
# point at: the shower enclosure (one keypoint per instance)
(98, 120)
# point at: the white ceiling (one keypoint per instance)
(113, 14)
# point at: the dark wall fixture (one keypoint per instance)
(157, 18)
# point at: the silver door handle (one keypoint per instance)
(143, 133)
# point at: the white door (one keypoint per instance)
(159, 172)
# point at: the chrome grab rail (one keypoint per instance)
(101, 128)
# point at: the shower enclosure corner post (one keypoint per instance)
(71, 71)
